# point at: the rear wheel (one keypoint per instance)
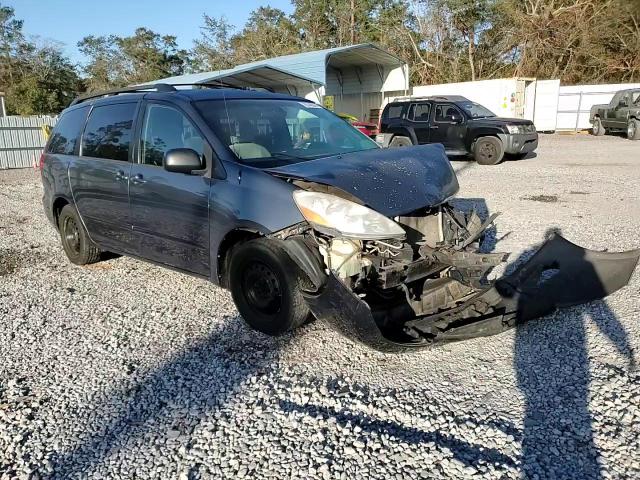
(265, 286)
(597, 128)
(75, 240)
(633, 129)
(488, 151)
(400, 142)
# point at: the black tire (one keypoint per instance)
(515, 156)
(398, 141)
(75, 241)
(488, 151)
(597, 129)
(633, 129)
(265, 286)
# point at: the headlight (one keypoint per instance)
(328, 212)
(515, 129)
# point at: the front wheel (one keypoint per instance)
(265, 286)
(633, 129)
(597, 128)
(488, 151)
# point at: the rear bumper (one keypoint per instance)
(519, 143)
(559, 274)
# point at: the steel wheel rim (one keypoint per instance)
(487, 150)
(631, 129)
(71, 234)
(261, 288)
(596, 127)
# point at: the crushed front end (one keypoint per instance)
(431, 286)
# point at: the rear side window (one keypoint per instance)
(420, 112)
(394, 111)
(67, 131)
(108, 132)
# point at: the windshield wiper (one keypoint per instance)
(286, 156)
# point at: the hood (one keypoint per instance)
(503, 121)
(392, 181)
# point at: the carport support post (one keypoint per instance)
(3, 110)
(578, 114)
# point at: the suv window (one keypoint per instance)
(419, 112)
(394, 111)
(108, 132)
(67, 131)
(166, 128)
(446, 112)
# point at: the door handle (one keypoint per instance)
(435, 127)
(120, 175)
(138, 179)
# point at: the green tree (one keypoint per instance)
(213, 50)
(36, 76)
(117, 61)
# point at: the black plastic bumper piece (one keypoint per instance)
(559, 274)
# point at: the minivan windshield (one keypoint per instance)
(475, 110)
(267, 133)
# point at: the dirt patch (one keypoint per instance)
(12, 260)
(577, 192)
(541, 198)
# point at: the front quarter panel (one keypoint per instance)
(248, 199)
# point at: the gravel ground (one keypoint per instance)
(127, 370)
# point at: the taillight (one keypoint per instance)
(41, 163)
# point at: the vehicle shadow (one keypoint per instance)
(167, 404)
(558, 433)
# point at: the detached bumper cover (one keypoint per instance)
(559, 274)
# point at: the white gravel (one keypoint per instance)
(123, 369)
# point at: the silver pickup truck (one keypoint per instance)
(622, 113)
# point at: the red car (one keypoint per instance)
(369, 129)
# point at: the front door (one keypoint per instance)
(170, 211)
(448, 128)
(99, 177)
(622, 111)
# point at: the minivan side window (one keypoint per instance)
(108, 132)
(164, 129)
(67, 132)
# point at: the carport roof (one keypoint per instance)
(296, 69)
(265, 76)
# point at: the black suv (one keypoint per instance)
(462, 126)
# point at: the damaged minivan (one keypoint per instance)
(299, 215)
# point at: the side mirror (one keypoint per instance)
(623, 103)
(455, 118)
(182, 160)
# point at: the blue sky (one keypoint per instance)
(68, 21)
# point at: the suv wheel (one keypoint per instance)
(75, 240)
(265, 286)
(488, 151)
(400, 142)
(633, 129)
(597, 129)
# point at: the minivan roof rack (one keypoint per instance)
(158, 87)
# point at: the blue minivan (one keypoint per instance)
(298, 214)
